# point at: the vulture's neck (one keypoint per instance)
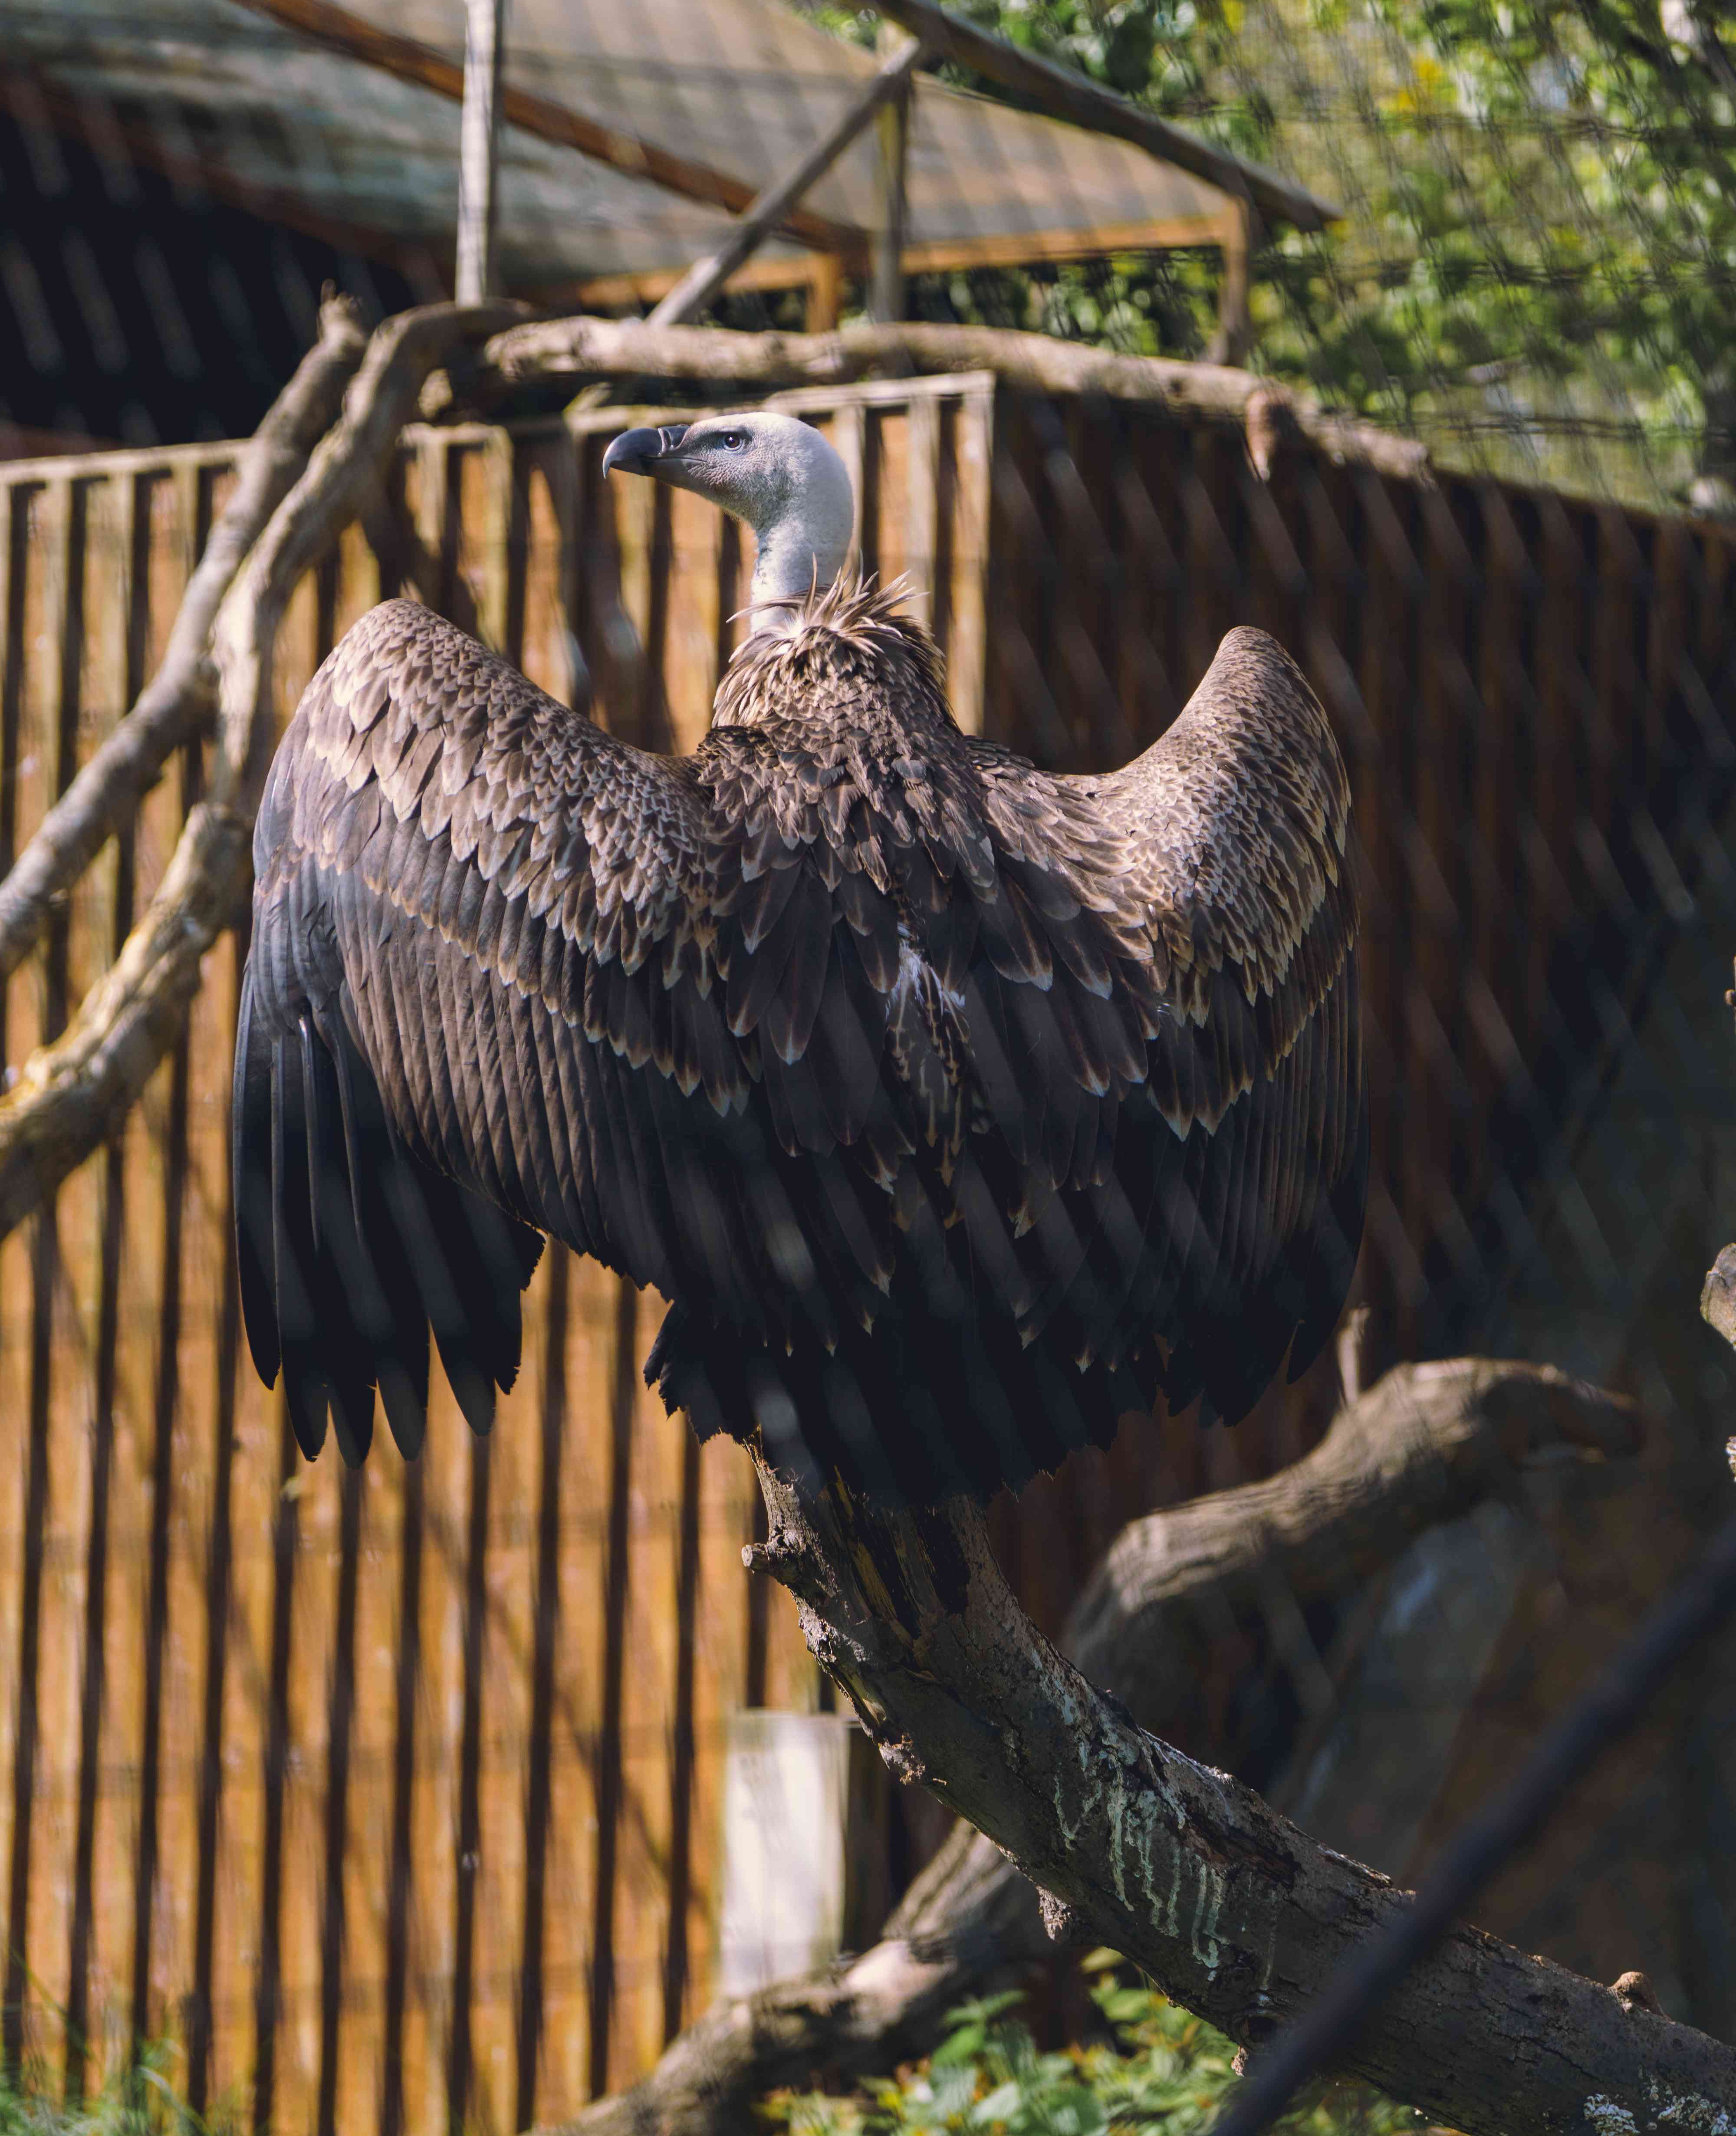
(802, 545)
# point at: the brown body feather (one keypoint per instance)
(956, 1107)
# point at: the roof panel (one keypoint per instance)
(748, 87)
(742, 86)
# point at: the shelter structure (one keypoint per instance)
(630, 139)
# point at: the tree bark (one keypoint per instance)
(181, 696)
(1235, 1913)
(581, 348)
(1426, 1444)
(74, 1093)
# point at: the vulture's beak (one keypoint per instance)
(637, 452)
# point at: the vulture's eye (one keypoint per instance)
(733, 440)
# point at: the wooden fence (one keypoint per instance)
(393, 1798)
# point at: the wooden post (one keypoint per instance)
(478, 205)
(1235, 325)
(825, 292)
(705, 278)
(891, 128)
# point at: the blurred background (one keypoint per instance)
(451, 1792)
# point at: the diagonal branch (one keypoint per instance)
(706, 276)
(1234, 1911)
(1425, 1445)
(1065, 95)
(74, 1093)
(179, 698)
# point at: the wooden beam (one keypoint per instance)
(479, 150)
(1015, 248)
(706, 276)
(1064, 95)
(409, 60)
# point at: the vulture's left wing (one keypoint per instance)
(1165, 1028)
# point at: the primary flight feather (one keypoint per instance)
(957, 1108)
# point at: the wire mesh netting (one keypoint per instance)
(404, 1795)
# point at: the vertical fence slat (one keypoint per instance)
(647, 1708)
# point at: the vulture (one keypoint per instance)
(956, 1108)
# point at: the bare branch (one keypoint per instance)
(70, 1095)
(582, 347)
(1234, 1911)
(180, 697)
(1424, 1445)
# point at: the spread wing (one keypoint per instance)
(931, 1091)
(509, 975)
(1179, 1055)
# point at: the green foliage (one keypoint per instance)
(1164, 2073)
(139, 2098)
(1536, 268)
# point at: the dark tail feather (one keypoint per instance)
(350, 1249)
(250, 1128)
(919, 1411)
(468, 1263)
(325, 1363)
(1331, 1265)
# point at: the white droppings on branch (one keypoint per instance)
(1704, 2117)
(1208, 1900)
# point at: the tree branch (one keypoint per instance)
(179, 698)
(72, 1095)
(1426, 1444)
(1235, 1913)
(581, 347)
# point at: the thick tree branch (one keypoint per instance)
(179, 698)
(581, 348)
(1234, 1911)
(70, 1095)
(1426, 1444)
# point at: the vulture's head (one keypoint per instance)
(775, 473)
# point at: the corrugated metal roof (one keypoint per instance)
(737, 88)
